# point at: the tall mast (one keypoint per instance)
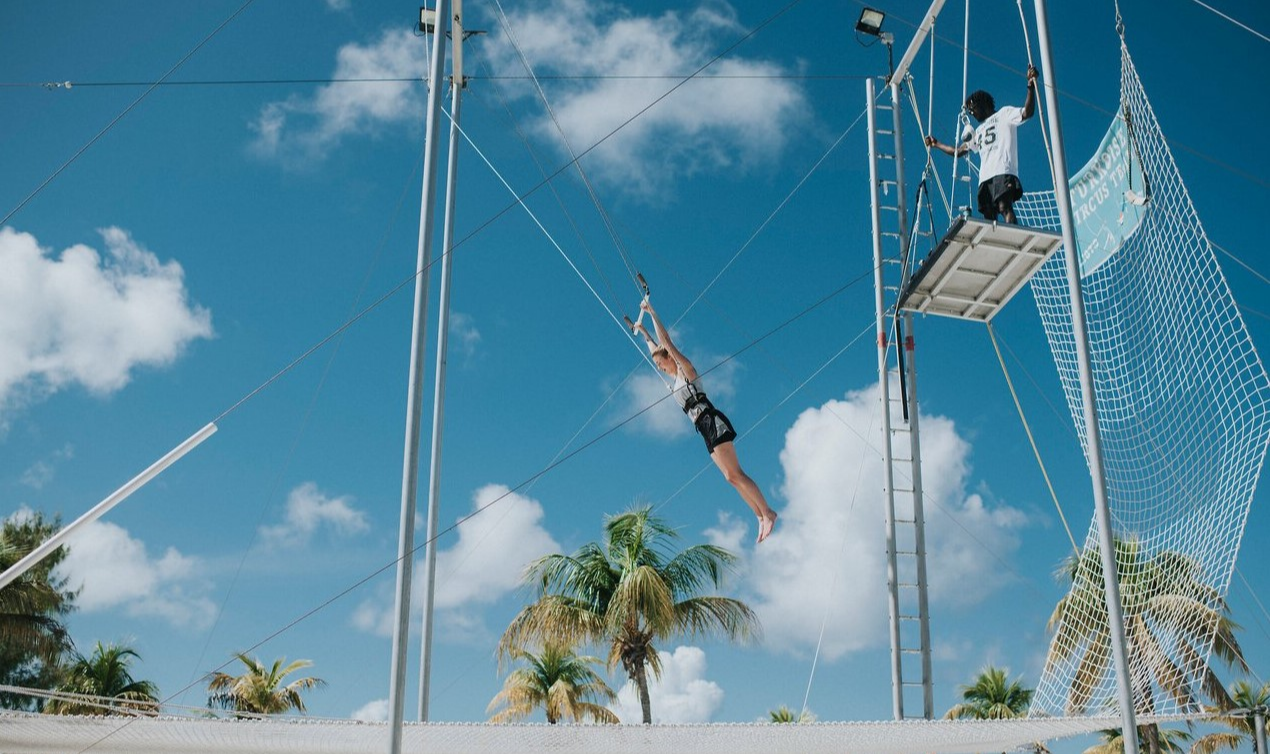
(410, 464)
(457, 83)
(1102, 513)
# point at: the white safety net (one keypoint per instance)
(1182, 408)
(29, 732)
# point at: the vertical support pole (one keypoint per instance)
(410, 463)
(884, 393)
(457, 83)
(1259, 728)
(1062, 194)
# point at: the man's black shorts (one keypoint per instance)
(996, 189)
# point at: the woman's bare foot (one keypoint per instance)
(765, 525)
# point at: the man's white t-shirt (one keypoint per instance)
(996, 142)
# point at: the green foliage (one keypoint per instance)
(558, 681)
(1170, 617)
(32, 635)
(1245, 697)
(260, 690)
(992, 696)
(105, 674)
(1170, 740)
(629, 590)
(783, 715)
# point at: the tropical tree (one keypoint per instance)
(260, 690)
(32, 635)
(1170, 740)
(992, 696)
(558, 681)
(628, 591)
(1244, 696)
(1171, 616)
(783, 715)
(105, 677)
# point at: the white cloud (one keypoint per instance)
(42, 471)
(307, 510)
(826, 562)
(486, 563)
(338, 5)
(302, 129)
(79, 319)
(37, 475)
(464, 338)
(681, 696)
(741, 118)
(116, 571)
(375, 710)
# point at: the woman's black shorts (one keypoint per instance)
(714, 428)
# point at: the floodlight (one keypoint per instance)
(870, 22)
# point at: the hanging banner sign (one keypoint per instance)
(1109, 198)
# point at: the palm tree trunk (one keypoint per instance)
(1152, 737)
(641, 681)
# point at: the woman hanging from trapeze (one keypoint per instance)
(711, 423)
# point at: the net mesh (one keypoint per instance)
(29, 732)
(1181, 397)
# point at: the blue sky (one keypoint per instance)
(240, 214)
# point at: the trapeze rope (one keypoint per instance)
(1030, 439)
(631, 269)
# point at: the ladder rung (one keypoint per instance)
(906, 553)
(913, 651)
(905, 617)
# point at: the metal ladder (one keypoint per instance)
(901, 447)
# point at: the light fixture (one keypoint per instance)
(427, 20)
(870, 22)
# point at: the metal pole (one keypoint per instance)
(1115, 618)
(457, 83)
(923, 29)
(884, 391)
(48, 546)
(410, 464)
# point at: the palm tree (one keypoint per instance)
(992, 696)
(32, 635)
(104, 675)
(260, 690)
(783, 715)
(557, 680)
(1170, 740)
(628, 591)
(1170, 617)
(1244, 696)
